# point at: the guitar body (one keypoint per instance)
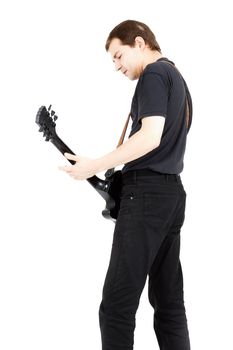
(109, 189)
(114, 191)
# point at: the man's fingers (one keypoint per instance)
(71, 156)
(65, 168)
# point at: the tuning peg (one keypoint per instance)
(55, 117)
(41, 129)
(49, 107)
(52, 113)
(46, 133)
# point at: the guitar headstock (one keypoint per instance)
(46, 118)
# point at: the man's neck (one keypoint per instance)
(151, 57)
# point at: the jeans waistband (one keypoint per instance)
(132, 176)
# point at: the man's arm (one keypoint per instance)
(142, 142)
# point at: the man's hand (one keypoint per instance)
(82, 169)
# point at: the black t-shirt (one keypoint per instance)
(161, 91)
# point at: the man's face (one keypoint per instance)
(127, 59)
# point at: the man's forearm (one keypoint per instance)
(135, 147)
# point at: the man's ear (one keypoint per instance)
(139, 42)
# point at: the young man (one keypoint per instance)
(146, 239)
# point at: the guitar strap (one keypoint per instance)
(188, 117)
(188, 98)
(121, 140)
(110, 172)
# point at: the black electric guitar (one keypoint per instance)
(109, 188)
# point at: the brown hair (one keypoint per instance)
(128, 30)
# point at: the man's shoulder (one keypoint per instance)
(161, 66)
(157, 70)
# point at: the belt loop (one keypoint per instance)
(166, 177)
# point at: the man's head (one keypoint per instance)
(132, 46)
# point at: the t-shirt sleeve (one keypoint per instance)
(153, 96)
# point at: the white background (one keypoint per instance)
(54, 244)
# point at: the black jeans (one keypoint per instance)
(146, 242)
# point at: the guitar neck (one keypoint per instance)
(99, 185)
(62, 147)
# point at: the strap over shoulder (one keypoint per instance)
(189, 106)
